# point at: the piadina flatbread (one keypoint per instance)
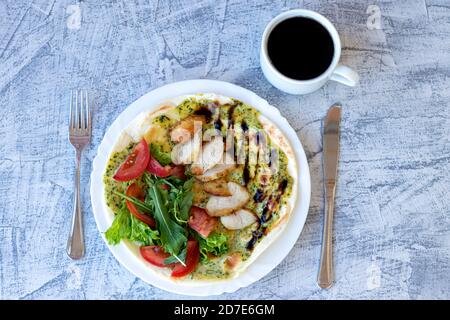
(243, 175)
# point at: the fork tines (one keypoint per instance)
(80, 116)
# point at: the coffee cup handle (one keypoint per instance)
(345, 75)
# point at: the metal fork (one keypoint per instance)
(79, 137)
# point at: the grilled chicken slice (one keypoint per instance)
(219, 170)
(212, 154)
(187, 152)
(239, 219)
(221, 206)
(217, 187)
(183, 131)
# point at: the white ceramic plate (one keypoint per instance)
(270, 258)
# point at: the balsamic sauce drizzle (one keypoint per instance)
(255, 237)
(267, 212)
(259, 195)
(283, 185)
(244, 126)
(246, 173)
(230, 113)
(204, 111)
(218, 125)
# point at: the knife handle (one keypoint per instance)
(326, 273)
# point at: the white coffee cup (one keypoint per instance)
(335, 71)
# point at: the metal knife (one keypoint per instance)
(330, 162)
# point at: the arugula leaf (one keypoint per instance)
(138, 203)
(172, 235)
(162, 157)
(179, 198)
(173, 182)
(216, 244)
(171, 211)
(181, 256)
(185, 205)
(149, 178)
(187, 186)
(127, 226)
(185, 200)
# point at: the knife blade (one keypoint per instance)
(330, 144)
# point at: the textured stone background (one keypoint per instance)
(392, 230)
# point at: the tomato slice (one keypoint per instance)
(178, 172)
(192, 259)
(201, 221)
(135, 163)
(157, 169)
(155, 255)
(136, 192)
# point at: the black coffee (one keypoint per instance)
(300, 48)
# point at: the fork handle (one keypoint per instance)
(75, 243)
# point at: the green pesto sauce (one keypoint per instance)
(245, 113)
(188, 107)
(237, 175)
(223, 117)
(113, 201)
(216, 267)
(200, 199)
(163, 121)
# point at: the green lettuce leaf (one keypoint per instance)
(216, 244)
(120, 228)
(127, 226)
(142, 233)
